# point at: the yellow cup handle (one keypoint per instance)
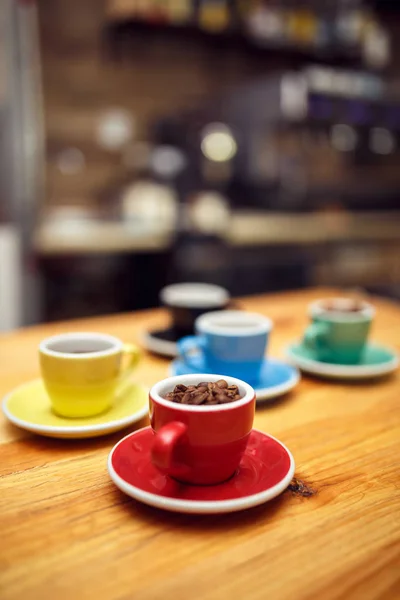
(131, 357)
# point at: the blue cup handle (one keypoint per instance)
(315, 335)
(187, 346)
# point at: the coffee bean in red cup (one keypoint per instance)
(195, 442)
(205, 393)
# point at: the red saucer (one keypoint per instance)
(265, 471)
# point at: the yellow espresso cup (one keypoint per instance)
(84, 373)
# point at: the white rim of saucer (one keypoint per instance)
(70, 431)
(159, 346)
(269, 393)
(317, 367)
(262, 394)
(201, 506)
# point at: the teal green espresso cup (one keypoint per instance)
(339, 330)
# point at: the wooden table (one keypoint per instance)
(67, 532)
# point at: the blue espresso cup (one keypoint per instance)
(228, 342)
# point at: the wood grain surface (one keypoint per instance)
(67, 532)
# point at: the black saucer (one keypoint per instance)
(162, 341)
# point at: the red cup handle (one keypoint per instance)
(167, 449)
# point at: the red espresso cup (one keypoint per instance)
(200, 444)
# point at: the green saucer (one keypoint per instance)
(376, 361)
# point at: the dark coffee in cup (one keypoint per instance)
(70, 346)
(343, 306)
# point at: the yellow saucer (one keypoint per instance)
(28, 406)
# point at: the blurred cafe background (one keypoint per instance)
(249, 143)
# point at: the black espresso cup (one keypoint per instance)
(187, 301)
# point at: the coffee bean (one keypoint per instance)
(221, 383)
(180, 388)
(222, 398)
(206, 393)
(202, 388)
(200, 398)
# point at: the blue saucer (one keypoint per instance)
(277, 377)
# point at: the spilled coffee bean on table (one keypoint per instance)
(206, 393)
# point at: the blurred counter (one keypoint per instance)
(252, 228)
(99, 237)
(90, 266)
(246, 229)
